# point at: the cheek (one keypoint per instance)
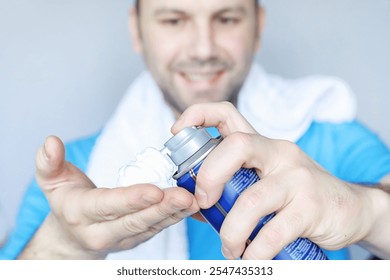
(239, 52)
(162, 49)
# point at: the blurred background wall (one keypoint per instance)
(64, 66)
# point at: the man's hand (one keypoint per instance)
(308, 201)
(88, 222)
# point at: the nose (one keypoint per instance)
(202, 45)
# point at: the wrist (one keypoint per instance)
(51, 241)
(376, 220)
(380, 209)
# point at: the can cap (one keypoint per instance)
(186, 143)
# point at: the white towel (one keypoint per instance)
(277, 108)
(284, 109)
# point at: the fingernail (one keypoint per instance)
(44, 151)
(226, 252)
(201, 196)
(190, 213)
(175, 125)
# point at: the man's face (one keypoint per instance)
(197, 51)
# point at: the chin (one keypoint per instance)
(206, 100)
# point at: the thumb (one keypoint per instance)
(50, 159)
(52, 171)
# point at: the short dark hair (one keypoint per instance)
(137, 4)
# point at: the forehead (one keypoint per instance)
(191, 6)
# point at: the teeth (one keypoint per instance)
(199, 77)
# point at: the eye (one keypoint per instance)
(172, 21)
(228, 20)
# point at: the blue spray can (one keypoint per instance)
(187, 150)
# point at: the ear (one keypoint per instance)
(260, 25)
(135, 31)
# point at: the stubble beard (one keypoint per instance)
(179, 108)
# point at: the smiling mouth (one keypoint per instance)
(196, 77)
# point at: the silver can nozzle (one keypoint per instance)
(186, 143)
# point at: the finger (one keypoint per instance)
(103, 204)
(235, 151)
(176, 200)
(125, 239)
(53, 172)
(132, 241)
(177, 216)
(259, 200)
(223, 115)
(60, 180)
(280, 231)
(50, 159)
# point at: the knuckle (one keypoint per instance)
(289, 148)
(241, 142)
(228, 239)
(155, 229)
(251, 255)
(228, 106)
(105, 215)
(94, 241)
(102, 209)
(206, 177)
(177, 217)
(71, 216)
(294, 222)
(239, 139)
(137, 226)
(96, 244)
(134, 225)
(194, 108)
(249, 200)
(304, 176)
(273, 237)
(163, 210)
(236, 245)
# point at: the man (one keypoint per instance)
(200, 52)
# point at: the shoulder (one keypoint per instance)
(343, 132)
(349, 150)
(341, 137)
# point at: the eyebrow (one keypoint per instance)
(163, 11)
(239, 9)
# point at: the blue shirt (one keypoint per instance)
(349, 151)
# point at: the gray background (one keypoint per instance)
(64, 66)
